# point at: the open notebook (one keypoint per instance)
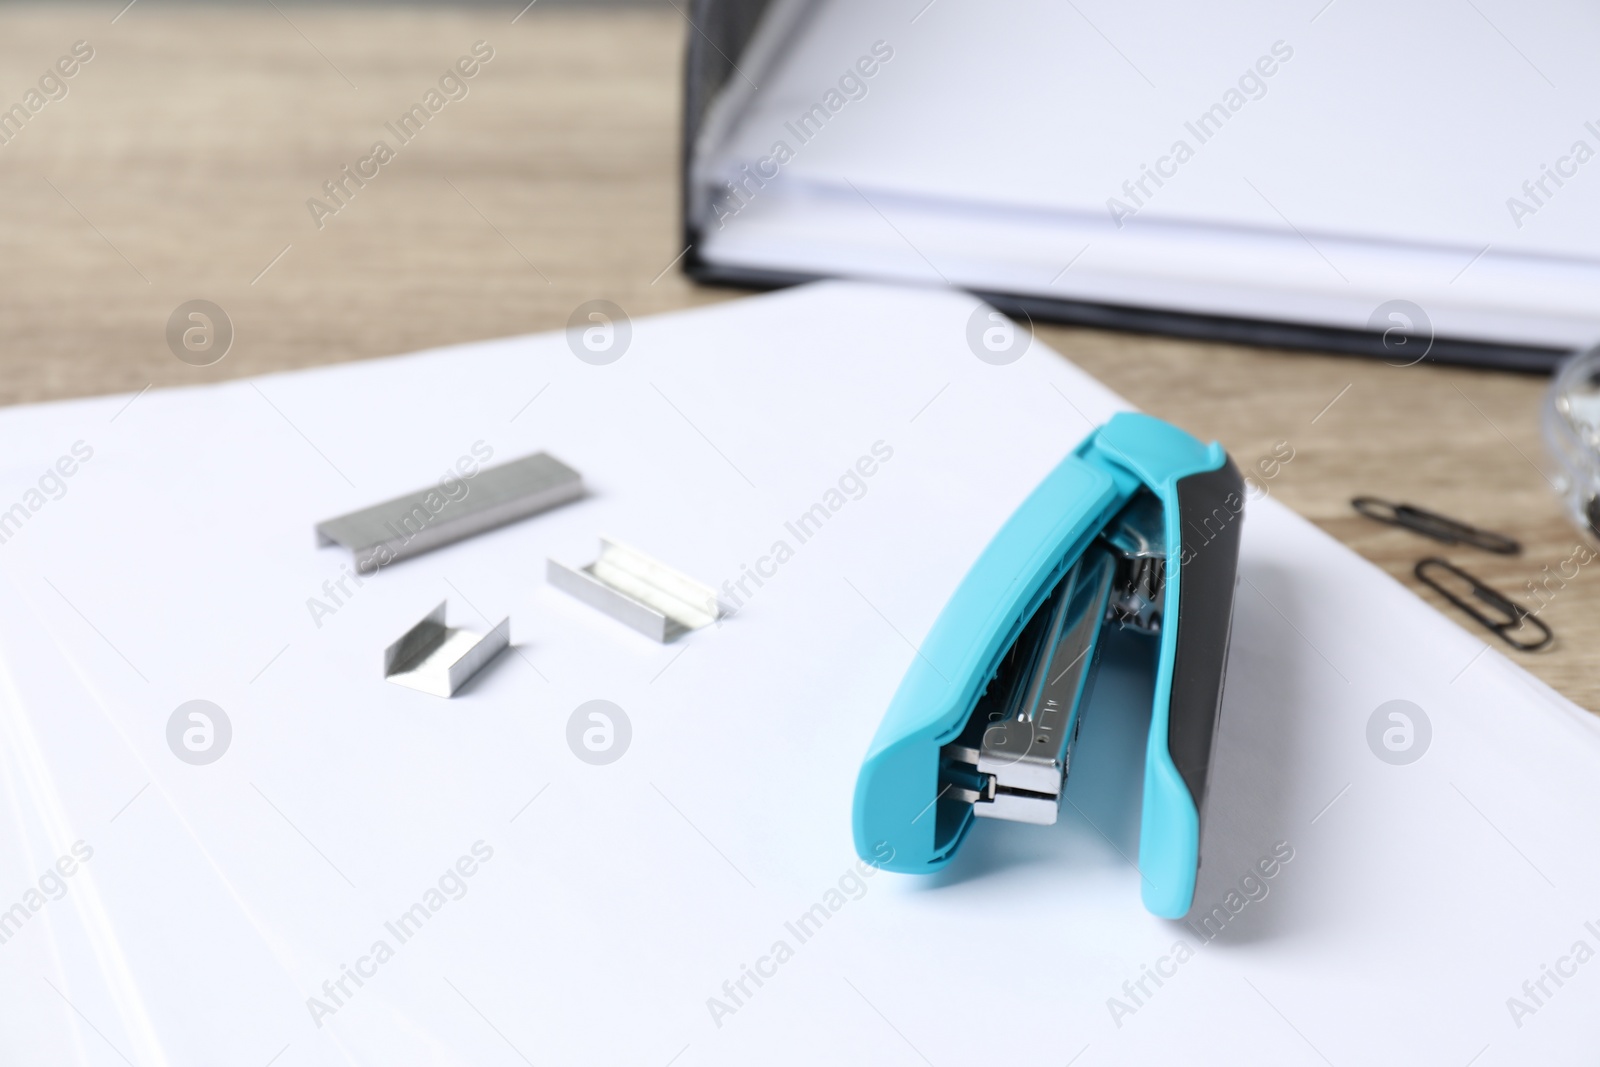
(1335, 175)
(573, 913)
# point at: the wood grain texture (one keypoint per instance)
(179, 164)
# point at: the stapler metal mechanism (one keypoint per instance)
(1138, 527)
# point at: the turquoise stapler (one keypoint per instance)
(1138, 527)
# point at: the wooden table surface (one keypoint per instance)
(179, 163)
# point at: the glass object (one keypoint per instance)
(1572, 433)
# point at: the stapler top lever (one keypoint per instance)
(1138, 527)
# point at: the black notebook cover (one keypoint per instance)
(721, 30)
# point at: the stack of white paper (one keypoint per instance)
(371, 875)
(1303, 165)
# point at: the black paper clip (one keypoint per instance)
(1430, 524)
(1514, 614)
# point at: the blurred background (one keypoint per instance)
(177, 162)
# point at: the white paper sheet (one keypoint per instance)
(1381, 157)
(619, 899)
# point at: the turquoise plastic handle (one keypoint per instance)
(896, 812)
